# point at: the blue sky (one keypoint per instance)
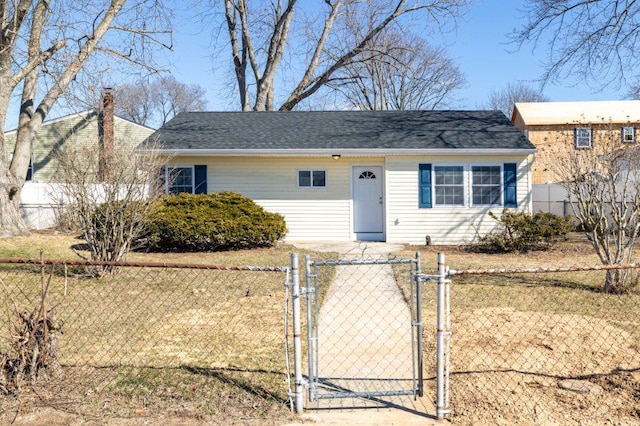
(479, 47)
(482, 51)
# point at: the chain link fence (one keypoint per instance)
(151, 340)
(535, 345)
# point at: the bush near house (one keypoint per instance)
(524, 232)
(212, 222)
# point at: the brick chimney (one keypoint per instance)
(106, 135)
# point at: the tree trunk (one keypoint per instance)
(11, 220)
(617, 281)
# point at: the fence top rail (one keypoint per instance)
(538, 270)
(164, 265)
(381, 261)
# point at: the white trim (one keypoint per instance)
(465, 189)
(633, 134)
(501, 167)
(179, 166)
(352, 152)
(311, 185)
(576, 138)
(383, 179)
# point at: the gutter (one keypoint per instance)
(323, 152)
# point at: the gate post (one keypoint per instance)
(442, 342)
(297, 352)
(418, 284)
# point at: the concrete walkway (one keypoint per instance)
(365, 346)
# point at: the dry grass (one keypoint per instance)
(163, 343)
(207, 346)
(518, 336)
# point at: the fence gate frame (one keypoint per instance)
(414, 327)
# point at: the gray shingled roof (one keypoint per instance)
(341, 130)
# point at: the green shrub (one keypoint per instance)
(212, 222)
(523, 232)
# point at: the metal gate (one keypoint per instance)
(364, 327)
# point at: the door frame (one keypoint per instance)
(367, 236)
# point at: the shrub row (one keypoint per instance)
(524, 232)
(210, 222)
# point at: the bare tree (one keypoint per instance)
(110, 212)
(594, 40)
(505, 99)
(633, 92)
(150, 102)
(399, 72)
(333, 36)
(602, 183)
(43, 48)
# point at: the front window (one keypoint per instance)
(628, 134)
(179, 179)
(312, 178)
(486, 187)
(449, 185)
(583, 137)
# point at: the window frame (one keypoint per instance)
(577, 137)
(624, 134)
(434, 185)
(167, 174)
(500, 185)
(311, 178)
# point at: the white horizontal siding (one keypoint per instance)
(324, 214)
(407, 223)
(310, 213)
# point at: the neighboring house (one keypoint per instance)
(572, 126)
(395, 176)
(39, 197)
(77, 130)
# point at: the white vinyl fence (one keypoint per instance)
(550, 198)
(40, 204)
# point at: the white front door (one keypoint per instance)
(368, 204)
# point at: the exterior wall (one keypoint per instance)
(325, 214)
(406, 222)
(315, 214)
(554, 142)
(78, 130)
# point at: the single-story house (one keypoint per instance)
(395, 176)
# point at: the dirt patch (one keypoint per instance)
(511, 367)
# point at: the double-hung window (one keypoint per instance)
(629, 134)
(189, 179)
(312, 178)
(486, 185)
(449, 185)
(179, 179)
(468, 186)
(583, 137)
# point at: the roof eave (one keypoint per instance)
(321, 152)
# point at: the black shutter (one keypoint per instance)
(200, 179)
(510, 179)
(425, 185)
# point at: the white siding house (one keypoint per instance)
(401, 177)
